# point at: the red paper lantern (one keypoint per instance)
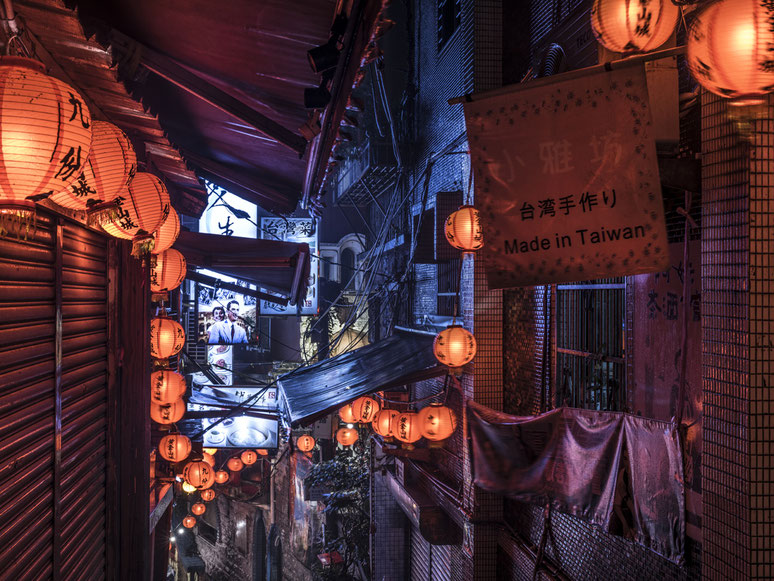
(437, 422)
(109, 169)
(168, 270)
(209, 494)
(305, 443)
(45, 134)
(235, 464)
(463, 229)
(198, 508)
(364, 409)
(175, 447)
(346, 436)
(249, 457)
(189, 522)
(262, 452)
(209, 458)
(346, 414)
(169, 413)
(167, 386)
(165, 236)
(221, 477)
(199, 474)
(729, 49)
(633, 26)
(167, 337)
(382, 423)
(406, 427)
(141, 208)
(454, 346)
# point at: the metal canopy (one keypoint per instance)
(314, 391)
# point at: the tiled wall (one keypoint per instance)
(736, 339)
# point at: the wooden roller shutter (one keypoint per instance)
(84, 402)
(27, 402)
(53, 402)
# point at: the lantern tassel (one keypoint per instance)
(99, 214)
(142, 244)
(18, 222)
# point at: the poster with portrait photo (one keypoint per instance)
(225, 317)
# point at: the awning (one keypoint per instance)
(279, 266)
(311, 392)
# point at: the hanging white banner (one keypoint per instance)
(567, 181)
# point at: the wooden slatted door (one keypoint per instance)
(53, 402)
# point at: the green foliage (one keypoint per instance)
(346, 479)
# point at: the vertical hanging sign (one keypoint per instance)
(567, 181)
(294, 230)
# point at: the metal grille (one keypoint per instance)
(590, 344)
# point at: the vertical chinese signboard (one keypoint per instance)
(657, 360)
(567, 181)
(294, 230)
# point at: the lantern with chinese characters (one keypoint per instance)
(209, 458)
(463, 229)
(235, 464)
(189, 522)
(109, 169)
(454, 346)
(437, 422)
(188, 488)
(168, 270)
(45, 135)
(140, 210)
(406, 428)
(167, 337)
(168, 413)
(383, 422)
(346, 414)
(305, 443)
(633, 26)
(221, 477)
(346, 436)
(165, 236)
(729, 49)
(249, 457)
(166, 386)
(208, 495)
(175, 447)
(198, 508)
(199, 474)
(364, 409)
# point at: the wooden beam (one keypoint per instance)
(176, 74)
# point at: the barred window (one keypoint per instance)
(590, 344)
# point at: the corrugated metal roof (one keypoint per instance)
(314, 391)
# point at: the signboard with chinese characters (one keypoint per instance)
(228, 215)
(567, 181)
(294, 230)
(657, 360)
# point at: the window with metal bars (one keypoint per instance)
(590, 346)
(449, 18)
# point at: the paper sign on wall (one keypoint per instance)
(567, 181)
